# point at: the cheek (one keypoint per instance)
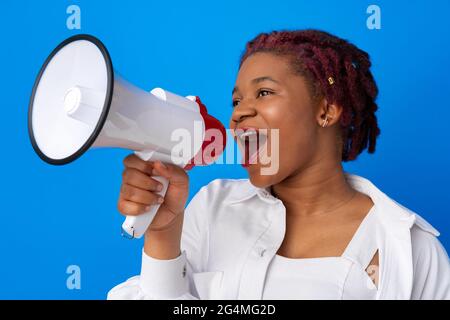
(296, 124)
(297, 134)
(231, 123)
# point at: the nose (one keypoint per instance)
(241, 112)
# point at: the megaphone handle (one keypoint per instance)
(135, 226)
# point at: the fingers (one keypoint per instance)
(133, 161)
(137, 203)
(139, 191)
(130, 208)
(145, 197)
(174, 174)
(138, 179)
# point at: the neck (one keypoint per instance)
(317, 189)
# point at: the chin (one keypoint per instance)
(260, 180)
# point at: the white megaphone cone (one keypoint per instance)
(78, 103)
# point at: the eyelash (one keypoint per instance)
(269, 92)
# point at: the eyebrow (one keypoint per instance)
(256, 81)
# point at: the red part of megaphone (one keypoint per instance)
(214, 141)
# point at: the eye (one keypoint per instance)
(264, 92)
(235, 103)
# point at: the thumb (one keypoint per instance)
(173, 173)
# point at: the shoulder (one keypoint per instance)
(418, 259)
(431, 266)
(425, 245)
(392, 215)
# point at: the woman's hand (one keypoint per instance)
(139, 191)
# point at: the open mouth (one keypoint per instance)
(252, 142)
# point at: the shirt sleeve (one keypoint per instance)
(431, 267)
(172, 279)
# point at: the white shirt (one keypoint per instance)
(331, 278)
(232, 231)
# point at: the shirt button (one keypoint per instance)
(184, 271)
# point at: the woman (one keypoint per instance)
(308, 231)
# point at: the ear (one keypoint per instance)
(325, 111)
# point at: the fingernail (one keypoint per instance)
(159, 187)
(147, 208)
(160, 200)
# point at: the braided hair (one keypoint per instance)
(336, 70)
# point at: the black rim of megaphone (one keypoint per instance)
(104, 114)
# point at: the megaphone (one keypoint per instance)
(79, 102)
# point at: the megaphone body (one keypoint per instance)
(79, 102)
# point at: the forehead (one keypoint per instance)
(264, 64)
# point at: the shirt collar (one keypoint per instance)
(392, 210)
(247, 190)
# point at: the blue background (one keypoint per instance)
(53, 217)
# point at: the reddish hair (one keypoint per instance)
(317, 56)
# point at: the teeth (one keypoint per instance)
(247, 134)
